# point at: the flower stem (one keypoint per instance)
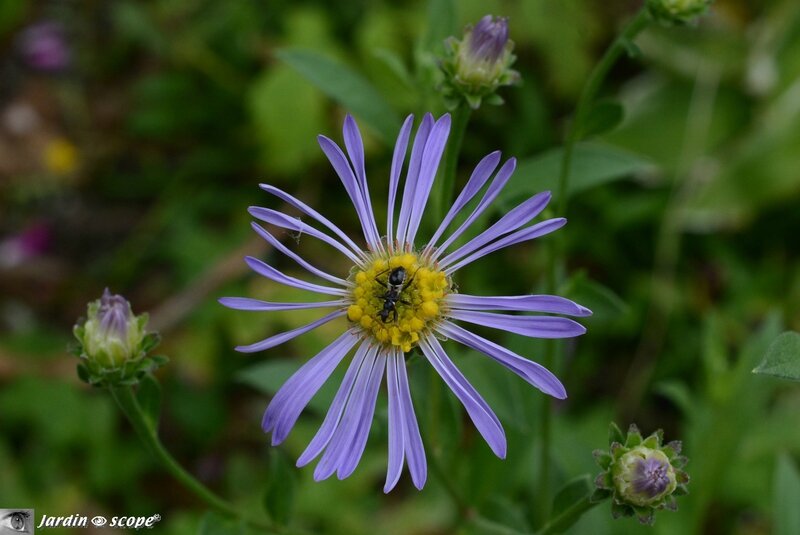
(567, 518)
(447, 184)
(130, 407)
(589, 91)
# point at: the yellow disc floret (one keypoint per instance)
(397, 314)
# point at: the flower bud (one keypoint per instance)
(113, 342)
(644, 476)
(112, 332)
(479, 63)
(672, 12)
(640, 475)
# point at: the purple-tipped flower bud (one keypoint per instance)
(113, 342)
(644, 476)
(479, 63)
(672, 12)
(640, 475)
(487, 40)
(112, 332)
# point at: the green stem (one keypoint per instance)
(567, 518)
(129, 405)
(593, 84)
(448, 182)
(588, 93)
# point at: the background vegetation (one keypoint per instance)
(132, 166)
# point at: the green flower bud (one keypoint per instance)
(640, 475)
(479, 63)
(112, 333)
(113, 342)
(677, 11)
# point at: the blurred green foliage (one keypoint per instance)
(682, 239)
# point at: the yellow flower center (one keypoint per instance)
(397, 299)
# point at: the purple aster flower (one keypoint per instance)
(399, 296)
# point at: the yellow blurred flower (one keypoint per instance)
(61, 156)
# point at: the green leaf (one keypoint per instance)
(149, 397)
(573, 491)
(395, 65)
(287, 114)
(570, 502)
(786, 497)
(604, 116)
(615, 434)
(593, 164)
(782, 358)
(279, 495)
(345, 86)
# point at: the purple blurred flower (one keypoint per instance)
(399, 296)
(44, 46)
(30, 243)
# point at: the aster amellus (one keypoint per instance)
(399, 297)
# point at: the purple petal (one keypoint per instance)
(355, 149)
(273, 217)
(353, 454)
(479, 176)
(524, 303)
(528, 233)
(415, 452)
(533, 326)
(479, 411)
(278, 339)
(534, 373)
(245, 303)
(301, 394)
(265, 270)
(342, 167)
(332, 418)
(343, 437)
(272, 240)
(333, 352)
(412, 175)
(492, 192)
(434, 148)
(514, 219)
(394, 177)
(313, 213)
(396, 423)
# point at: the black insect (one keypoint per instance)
(394, 286)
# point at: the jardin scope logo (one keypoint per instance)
(17, 521)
